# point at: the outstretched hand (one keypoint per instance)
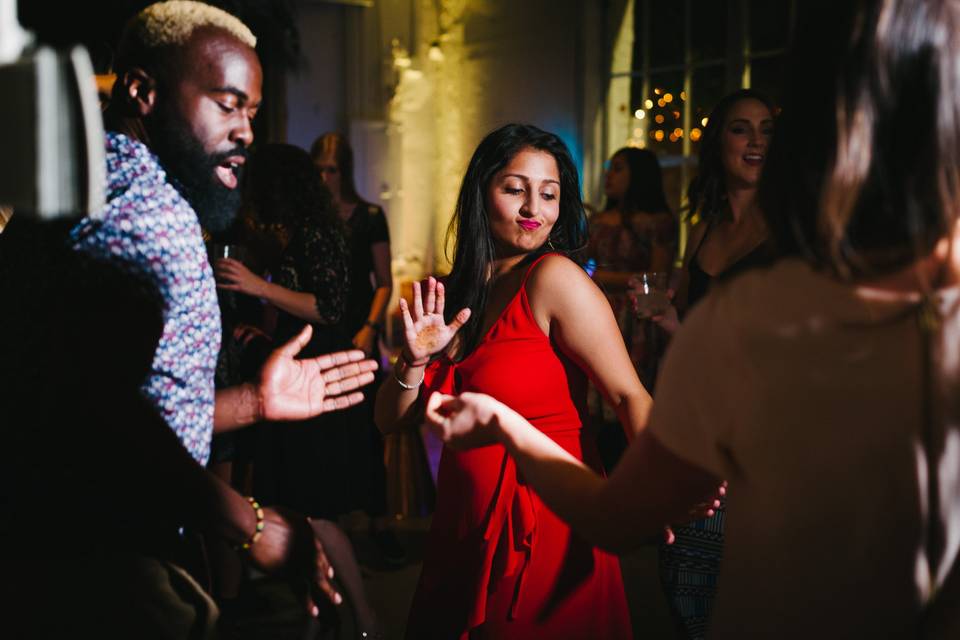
(706, 509)
(292, 389)
(424, 329)
(288, 545)
(463, 421)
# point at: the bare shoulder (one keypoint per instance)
(558, 282)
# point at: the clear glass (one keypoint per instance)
(648, 291)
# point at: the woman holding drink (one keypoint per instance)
(729, 235)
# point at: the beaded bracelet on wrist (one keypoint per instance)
(258, 531)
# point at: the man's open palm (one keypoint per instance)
(292, 389)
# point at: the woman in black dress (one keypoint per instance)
(371, 285)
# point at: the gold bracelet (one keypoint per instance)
(258, 531)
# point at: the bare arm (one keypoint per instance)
(384, 281)
(570, 307)
(649, 488)
(425, 334)
(237, 277)
(611, 281)
(366, 337)
(292, 389)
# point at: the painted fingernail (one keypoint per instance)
(337, 598)
(330, 573)
(315, 611)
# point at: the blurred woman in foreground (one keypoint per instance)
(827, 384)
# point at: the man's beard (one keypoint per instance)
(193, 172)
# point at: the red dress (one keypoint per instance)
(499, 564)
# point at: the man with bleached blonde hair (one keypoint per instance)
(179, 129)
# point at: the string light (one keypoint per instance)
(683, 95)
(695, 134)
(657, 91)
(703, 122)
(648, 103)
(659, 118)
(678, 132)
(637, 132)
(658, 135)
(676, 115)
(673, 137)
(639, 114)
(668, 97)
(661, 103)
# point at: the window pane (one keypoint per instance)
(766, 75)
(708, 29)
(707, 89)
(666, 31)
(664, 112)
(769, 24)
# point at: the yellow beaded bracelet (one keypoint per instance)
(258, 531)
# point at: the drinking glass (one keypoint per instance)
(648, 289)
(234, 251)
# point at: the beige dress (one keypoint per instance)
(808, 395)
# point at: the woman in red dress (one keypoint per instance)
(527, 326)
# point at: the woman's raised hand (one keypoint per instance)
(424, 329)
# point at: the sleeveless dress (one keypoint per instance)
(499, 563)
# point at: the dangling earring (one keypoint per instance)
(550, 243)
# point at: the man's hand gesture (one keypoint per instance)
(292, 389)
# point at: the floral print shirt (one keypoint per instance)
(150, 229)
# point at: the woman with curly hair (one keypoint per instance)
(301, 243)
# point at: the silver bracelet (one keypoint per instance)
(404, 385)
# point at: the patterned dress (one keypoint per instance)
(151, 231)
(298, 464)
(614, 247)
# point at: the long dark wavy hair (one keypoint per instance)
(645, 192)
(282, 192)
(863, 176)
(474, 248)
(707, 193)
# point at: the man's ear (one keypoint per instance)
(140, 90)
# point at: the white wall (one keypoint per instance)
(316, 93)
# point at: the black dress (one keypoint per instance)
(333, 464)
(302, 464)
